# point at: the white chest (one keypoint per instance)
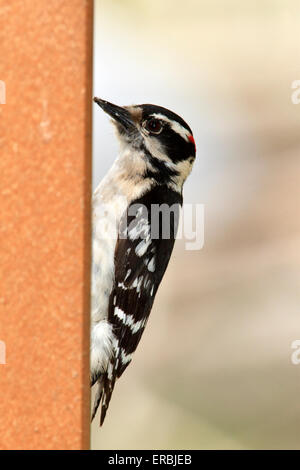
(106, 217)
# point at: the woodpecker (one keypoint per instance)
(131, 246)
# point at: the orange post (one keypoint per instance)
(45, 166)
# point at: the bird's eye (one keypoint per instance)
(154, 126)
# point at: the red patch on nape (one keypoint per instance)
(191, 139)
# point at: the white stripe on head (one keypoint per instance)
(178, 128)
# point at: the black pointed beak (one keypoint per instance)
(119, 114)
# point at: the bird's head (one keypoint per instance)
(160, 137)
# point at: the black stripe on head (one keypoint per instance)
(149, 109)
(177, 147)
(163, 174)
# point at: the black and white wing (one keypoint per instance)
(143, 249)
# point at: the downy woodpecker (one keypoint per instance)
(131, 245)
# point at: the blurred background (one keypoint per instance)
(213, 369)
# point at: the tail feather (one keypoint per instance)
(105, 387)
(108, 387)
(97, 399)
